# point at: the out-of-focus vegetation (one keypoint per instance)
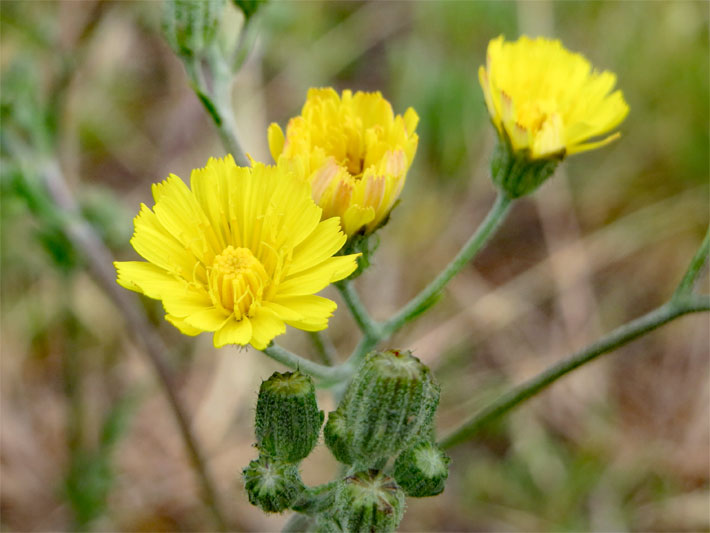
(87, 439)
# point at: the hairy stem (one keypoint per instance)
(699, 260)
(427, 297)
(217, 103)
(620, 336)
(324, 347)
(364, 321)
(296, 362)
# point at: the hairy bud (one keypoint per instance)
(422, 470)
(338, 437)
(369, 501)
(272, 485)
(287, 418)
(390, 403)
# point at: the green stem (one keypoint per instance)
(217, 103)
(364, 321)
(696, 264)
(612, 341)
(324, 347)
(426, 298)
(291, 360)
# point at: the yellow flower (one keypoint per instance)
(239, 254)
(353, 150)
(547, 101)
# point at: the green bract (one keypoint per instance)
(272, 485)
(515, 173)
(422, 470)
(369, 501)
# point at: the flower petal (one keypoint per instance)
(265, 326)
(233, 332)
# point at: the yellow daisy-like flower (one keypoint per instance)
(547, 101)
(353, 150)
(240, 253)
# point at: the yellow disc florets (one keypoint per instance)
(237, 281)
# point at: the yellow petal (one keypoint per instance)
(207, 319)
(265, 326)
(314, 311)
(184, 327)
(233, 332)
(186, 301)
(276, 140)
(316, 278)
(146, 278)
(321, 244)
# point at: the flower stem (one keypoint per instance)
(620, 336)
(364, 321)
(324, 347)
(217, 102)
(427, 297)
(696, 264)
(291, 360)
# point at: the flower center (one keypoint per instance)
(354, 165)
(237, 281)
(533, 114)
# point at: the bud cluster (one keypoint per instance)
(287, 426)
(390, 403)
(387, 413)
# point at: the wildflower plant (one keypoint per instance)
(243, 249)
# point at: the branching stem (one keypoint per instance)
(617, 338)
(427, 297)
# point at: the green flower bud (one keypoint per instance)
(422, 470)
(338, 437)
(287, 417)
(271, 485)
(516, 173)
(390, 403)
(190, 26)
(369, 501)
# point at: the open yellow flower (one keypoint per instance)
(240, 253)
(353, 150)
(547, 101)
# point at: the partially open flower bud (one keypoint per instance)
(287, 418)
(369, 501)
(422, 470)
(272, 485)
(390, 403)
(338, 437)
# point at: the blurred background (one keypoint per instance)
(88, 439)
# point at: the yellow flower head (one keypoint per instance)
(240, 253)
(353, 150)
(547, 101)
